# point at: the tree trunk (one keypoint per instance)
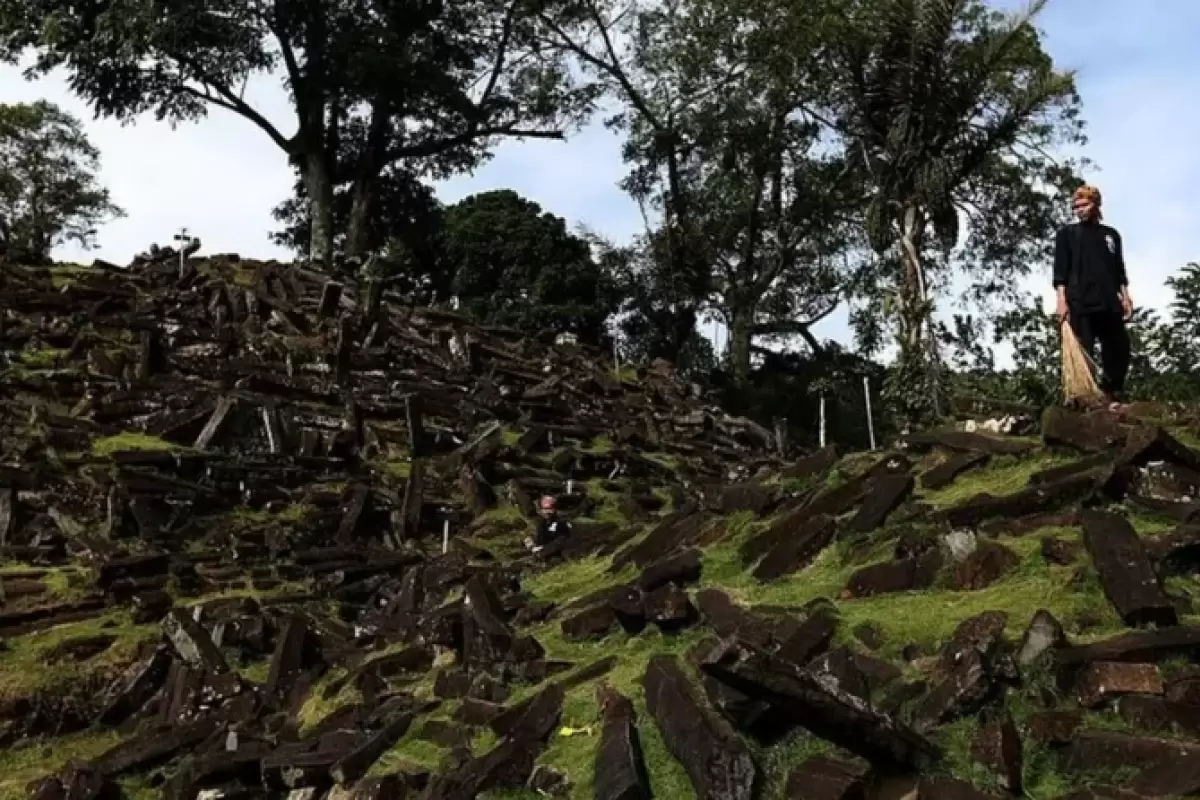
(366, 182)
(913, 306)
(318, 183)
(741, 334)
(358, 226)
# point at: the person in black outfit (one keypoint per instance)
(1093, 289)
(550, 528)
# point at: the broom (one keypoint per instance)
(1078, 371)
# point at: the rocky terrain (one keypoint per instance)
(261, 536)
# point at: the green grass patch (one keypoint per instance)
(397, 468)
(410, 754)
(927, 616)
(42, 357)
(575, 755)
(131, 440)
(663, 459)
(600, 445)
(575, 579)
(1006, 475)
(25, 668)
(291, 514)
(36, 758)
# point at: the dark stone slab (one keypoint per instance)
(620, 771)
(1152, 645)
(946, 472)
(192, 642)
(987, 563)
(997, 746)
(1125, 572)
(1092, 432)
(716, 760)
(1034, 500)
(589, 624)
(965, 441)
(824, 778)
(1096, 750)
(681, 568)
(886, 494)
(901, 575)
(798, 551)
(835, 716)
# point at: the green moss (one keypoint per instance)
(256, 672)
(575, 755)
(25, 668)
(33, 759)
(42, 357)
(509, 438)
(930, 615)
(1006, 475)
(410, 754)
(397, 468)
(575, 579)
(600, 445)
(289, 514)
(131, 440)
(663, 459)
(317, 706)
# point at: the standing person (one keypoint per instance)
(1093, 289)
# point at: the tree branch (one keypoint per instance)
(792, 328)
(231, 102)
(437, 146)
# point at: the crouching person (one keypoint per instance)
(551, 531)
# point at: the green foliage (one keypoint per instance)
(949, 108)
(370, 86)
(516, 265)
(48, 189)
(402, 227)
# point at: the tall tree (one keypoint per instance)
(950, 109)
(515, 264)
(607, 40)
(406, 81)
(404, 229)
(755, 212)
(49, 194)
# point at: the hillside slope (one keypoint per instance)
(262, 537)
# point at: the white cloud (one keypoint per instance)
(1138, 72)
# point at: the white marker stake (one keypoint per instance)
(570, 486)
(822, 429)
(445, 536)
(870, 419)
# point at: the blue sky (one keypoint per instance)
(1138, 72)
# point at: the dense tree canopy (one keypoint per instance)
(514, 264)
(371, 83)
(49, 194)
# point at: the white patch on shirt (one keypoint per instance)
(1112, 243)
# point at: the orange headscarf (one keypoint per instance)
(1089, 192)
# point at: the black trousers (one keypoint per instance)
(1107, 328)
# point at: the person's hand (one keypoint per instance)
(1126, 305)
(1061, 310)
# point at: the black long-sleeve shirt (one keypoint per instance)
(551, 530)
(1089, 260)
